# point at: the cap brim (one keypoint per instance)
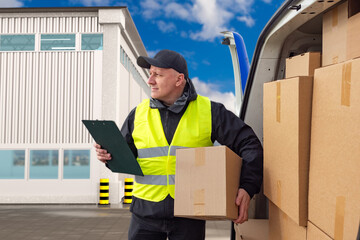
(146, 62)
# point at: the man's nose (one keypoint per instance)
(151, 80)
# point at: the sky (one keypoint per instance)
(193, 28)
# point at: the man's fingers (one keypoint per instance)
(103, 151)
(238, 201)
(102, 154)
(243, 201)
(243, 213)
(103, 158)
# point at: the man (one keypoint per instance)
(159, 124)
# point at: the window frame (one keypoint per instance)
(74, 48)
(60, 148)
(81, 41)
(21, 34)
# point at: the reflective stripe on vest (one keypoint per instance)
(156, 157)
(158, 151)
(155, 179)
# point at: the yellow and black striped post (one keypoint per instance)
(129, 182)
(104, 191)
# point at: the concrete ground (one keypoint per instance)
(70, 222)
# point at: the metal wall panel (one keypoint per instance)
(45, 95)
(49, 24)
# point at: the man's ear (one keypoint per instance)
(180, 79)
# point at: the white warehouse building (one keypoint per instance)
(59, 66)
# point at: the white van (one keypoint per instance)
(295, 28)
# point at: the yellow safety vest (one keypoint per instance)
(156, 157)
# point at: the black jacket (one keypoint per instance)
(227, 129)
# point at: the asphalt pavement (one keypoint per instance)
(70, 222)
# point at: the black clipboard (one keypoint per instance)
(108, 135)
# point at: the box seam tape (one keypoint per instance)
(278, 102)
(346, 84)
(199, 202)
(339, 218)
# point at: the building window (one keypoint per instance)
(91, 42)
(17, 42)
(57, 42)
(128, 64)
(121, 55)
(44, 164)
(76, 164)
(12, 164)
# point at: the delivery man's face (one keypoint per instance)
(164, 83)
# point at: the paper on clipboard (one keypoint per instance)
(108, 135)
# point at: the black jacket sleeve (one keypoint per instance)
(231, 131)
(127, 129)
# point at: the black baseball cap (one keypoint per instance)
(165, 59)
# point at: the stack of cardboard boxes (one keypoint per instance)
(287, 121)
(334, 179)
(312, 137)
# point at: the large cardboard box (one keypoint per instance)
(207, 181)
(253, 229)
(353, 37)
(314, 233)
(281, 227)
(287, 118)
(334, 35)
(303, 64)
(334, 179)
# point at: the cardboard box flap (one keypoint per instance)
(283, 227)
(314, 233)
(253, 229)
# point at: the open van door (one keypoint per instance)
(240, 63)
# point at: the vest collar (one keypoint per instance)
(188, 95)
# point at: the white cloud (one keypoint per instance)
(89, 3)
(243, 6)
(210, 90)
(151, 8)
(177, 10)
(213, 16)
(166, 27)
(10, 3)
(248, 20)
(267, 1)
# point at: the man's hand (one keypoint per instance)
(102, 154)
(243, 201)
